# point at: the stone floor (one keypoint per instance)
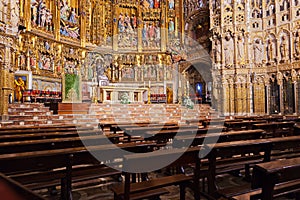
(101, 189)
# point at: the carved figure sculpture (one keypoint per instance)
(270, 51)
(240, 49)
(228, 49)
(257, 47)
(19, 88)
(284, 49)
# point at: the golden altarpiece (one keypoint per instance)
(76, 47)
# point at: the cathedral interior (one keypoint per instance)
(60, 59)
(239, 56)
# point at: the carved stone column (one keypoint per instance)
(175, 82)
(6, 86)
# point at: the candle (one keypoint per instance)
(149, 84)
(144, 84)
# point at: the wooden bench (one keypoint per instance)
(54, 143)
(183, 140)
(43, 130)
(38, 127)
(43, 162)
(12, 190)
(230, 156)
(276, 129)
(49, 135)
(285, 147)
(270, 180)
(138, 190)
(113, 125)
(242, 125)
(162, 136)
(122, 127)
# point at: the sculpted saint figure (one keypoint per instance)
(270, 51)
(218, 51)
(240, 49)
(228, 50)
(19, 88)
(257, 52)
(284, 49)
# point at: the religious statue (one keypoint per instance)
(156, 3)
(297, 43)
(157, 34)
(171, 27)
(171, 4)
(33, 62)
(240, 49)
(19, 88)
(228, 50)
(133, 21)
(258, 52)
(218, 51)
(151, 2)
(73, 16)
(40, 14)
(48, 20)
(144, 35)
(33, 5)
(284, 52)
(270, 51)
(64, 10)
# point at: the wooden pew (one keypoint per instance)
(113, 124)
(38, 127)
(53, 143)
(122, 127)
(218, 137)
(47, 135)
(285, 147)
(211, 122)
(12, 190)
(139, 190)
(242, 125)
(44, 161)
(143, 131)
(270, 180)
(162, 136)
(276, 129)
(44, 130)
(234, 156)
(282, 147)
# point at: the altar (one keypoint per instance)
(110, 94)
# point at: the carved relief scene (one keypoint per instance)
(127, 28)
(69, 19)
(151, 35)
(42, 14)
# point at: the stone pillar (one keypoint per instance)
(6, 86)
(175, 82)
(250, 97)
(268, 99)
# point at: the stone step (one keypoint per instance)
(26, 105)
